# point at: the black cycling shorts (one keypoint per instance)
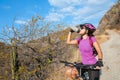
(92, 74)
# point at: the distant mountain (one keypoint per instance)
(111, 20)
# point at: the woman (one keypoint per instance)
(86, 31)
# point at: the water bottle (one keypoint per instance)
(75, 29)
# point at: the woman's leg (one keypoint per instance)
(94, 74)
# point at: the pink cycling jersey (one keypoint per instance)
(86, 50)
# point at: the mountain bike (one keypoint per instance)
(84, 71)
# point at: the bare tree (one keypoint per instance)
(33, 29)
(15, 36)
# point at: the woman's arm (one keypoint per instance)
(69, 41)
(97, 47)
(99, 63)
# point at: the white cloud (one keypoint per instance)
(64, 3)
(68, 9)
(10, 29)
(96, 15)
(54, 17)
(21, 22)
(96, 2)
(79, 10)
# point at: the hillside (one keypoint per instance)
(41, 57)
(4, 62)
(37, 59)
(111, 20)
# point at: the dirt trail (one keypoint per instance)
(111, 51)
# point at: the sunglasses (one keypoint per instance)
(80, 27)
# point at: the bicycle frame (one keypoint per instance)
(80, 66)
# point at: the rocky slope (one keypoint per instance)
(111, 20)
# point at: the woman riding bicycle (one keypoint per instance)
(86, 34)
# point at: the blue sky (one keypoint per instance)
(70, 12)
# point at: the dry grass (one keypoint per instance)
(102, 38)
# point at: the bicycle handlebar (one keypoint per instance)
(66, 62)
(71, 64)
(78, 65)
